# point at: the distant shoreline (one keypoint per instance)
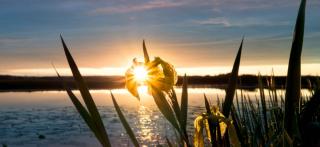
(28, 84)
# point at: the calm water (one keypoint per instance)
(26, 115)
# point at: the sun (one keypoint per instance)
(140, 74)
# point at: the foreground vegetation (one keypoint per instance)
(279, 121)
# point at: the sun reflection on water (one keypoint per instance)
(145, 124)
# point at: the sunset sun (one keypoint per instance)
(140, 74)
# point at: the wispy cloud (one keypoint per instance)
(158, 4)
(247, 22)
(214, 21)
(251, 4)
(154, 4)
(12, 40)
(251, 39)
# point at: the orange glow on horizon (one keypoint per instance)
(306, 69)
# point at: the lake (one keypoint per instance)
(48, 118)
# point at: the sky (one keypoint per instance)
(199, 37)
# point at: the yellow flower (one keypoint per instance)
(201, 122)
(154, 74)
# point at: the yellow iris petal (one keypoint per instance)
(201, 122)
(157, 73)
(198, 135)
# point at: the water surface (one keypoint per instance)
(26, 115)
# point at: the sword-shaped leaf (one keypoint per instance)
(232, 84)
(145, 53)
(124, 122)
(80, 108)
(264, 105)
(91, 106)
(184, 103)
(293, 83)
(164, 107)
(210, 122)
(174, 104)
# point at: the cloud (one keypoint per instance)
(244, 22)
(12, 40)
(251, 4)
(214, 21)
(154, 4)
(216, 5)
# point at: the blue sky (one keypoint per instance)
(187, 33)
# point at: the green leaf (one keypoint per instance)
(81, 109)
(238, 127)
(184, 108)
(228, 101)
(210, 121)
(263, 103)
(307, 114)
(174, 104)
(91, 106)
(184, 103)
(293, 83)
(145, 53)
(124, 122)
(232, 84)
(234, 140)
(207, 105)
(288, 139)
(164, 107)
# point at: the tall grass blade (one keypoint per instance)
(263, 104)
(310, 108)
(124, 122)
(288, 139)
(232, 84)
(307, 116)
(237, 126)
(256, 126)
(145, 53)
(210, 121)
(293, 83)
(81, 109)
(164, 107)
(184, 103)
(175, 104)
(238, 105)
(207, 105)
(273, 88)
(91, 106)
(233, 132)
(218, 102)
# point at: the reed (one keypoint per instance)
(293, 83)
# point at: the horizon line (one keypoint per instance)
(279, 70)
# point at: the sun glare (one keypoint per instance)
(140, 74)
(143, 89)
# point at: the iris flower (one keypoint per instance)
(157, 74)
(201, 122)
